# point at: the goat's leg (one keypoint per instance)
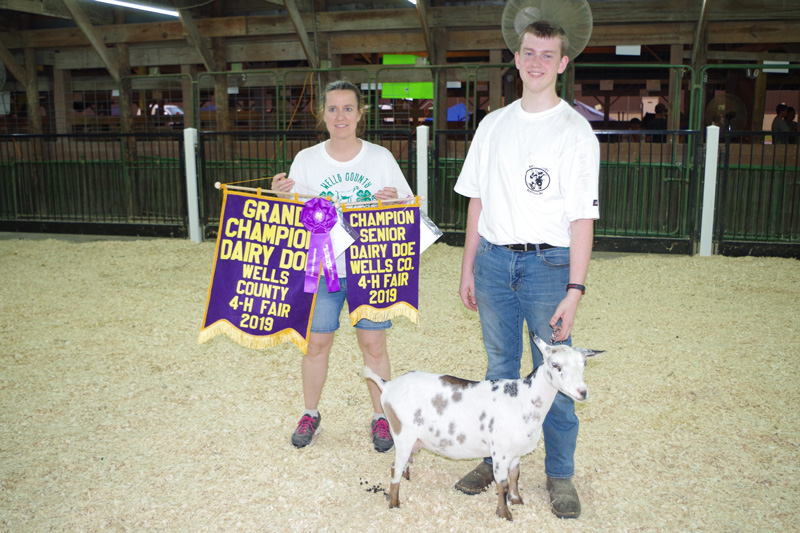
(500, 471)
(502, 506)
(394, 495)
(513, 486)
(394, 488)
(399, 469)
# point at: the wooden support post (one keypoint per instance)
(439, 36)
(223, 113)
(675, 81)
(495, 80)
(568, 79)
(32, 92)
(62, 100)
(125, 89)
(759, 100)
(190, 107)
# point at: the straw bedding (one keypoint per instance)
(114, 418)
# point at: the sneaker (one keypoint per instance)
(564, 499)
(306, 429)
(478, 480)
(381, 437)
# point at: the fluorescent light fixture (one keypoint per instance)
(413, 2)
(140, 7)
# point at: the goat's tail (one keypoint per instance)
(368, 373)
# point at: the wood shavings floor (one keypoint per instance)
(114, 418)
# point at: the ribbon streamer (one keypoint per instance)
(319, 217)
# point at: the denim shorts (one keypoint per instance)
(328, 310)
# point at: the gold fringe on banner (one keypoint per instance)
(379, 315)
(252, 341)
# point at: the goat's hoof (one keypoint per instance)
(516, 500)
(504, 513)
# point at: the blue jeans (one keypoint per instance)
(512, 287)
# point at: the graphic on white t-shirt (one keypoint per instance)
(537, 180)
(356, 194)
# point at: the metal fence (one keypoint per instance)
(648, 190)
(758, 202)
(251, 159)
(93, 183)
(134, 184)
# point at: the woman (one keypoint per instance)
(345, 168)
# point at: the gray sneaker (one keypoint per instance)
(306, 429)
(381, 437)
(564, 499)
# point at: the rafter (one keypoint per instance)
(700, 40)
(201, 44)
(55, 9)
(96, 41)
(300, 29)
(11, 63)
(430, 42)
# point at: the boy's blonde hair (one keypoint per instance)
(545, 30)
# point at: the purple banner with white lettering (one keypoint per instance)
(383, 263)
(256, 294)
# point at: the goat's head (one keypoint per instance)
(563, 367)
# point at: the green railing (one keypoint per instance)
(759, 198)
(57, 182)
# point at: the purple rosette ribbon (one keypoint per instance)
(319, 217)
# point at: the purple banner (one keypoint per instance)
(383, 263)
(256, 294)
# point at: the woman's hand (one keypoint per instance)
(387, 193)
(281, 183)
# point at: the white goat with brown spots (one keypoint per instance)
(461, 419)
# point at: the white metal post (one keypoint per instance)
(193, 198)
(709, 191)
(422, 165)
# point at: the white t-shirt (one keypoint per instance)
(374, 167)
(534, 174)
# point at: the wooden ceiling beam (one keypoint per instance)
(430, 42)
(302, 34)
(56, 9)
(454, 18)
(699, 43)
(198, 41)
(95, 39)
(13, 66)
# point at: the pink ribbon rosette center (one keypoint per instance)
(319, 217)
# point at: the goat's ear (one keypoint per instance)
(589, 353)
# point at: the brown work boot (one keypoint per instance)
(563, 498)
(476, 481)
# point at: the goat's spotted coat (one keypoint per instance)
(462, 419)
